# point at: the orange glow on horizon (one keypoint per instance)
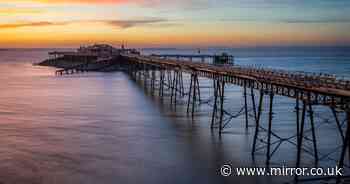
(75, 38)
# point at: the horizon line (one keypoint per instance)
(194, 47)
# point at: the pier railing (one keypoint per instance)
(316, 88)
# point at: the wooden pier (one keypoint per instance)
(166, 73)
(307, 90)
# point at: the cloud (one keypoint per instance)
(132, 23)
(30, 24)
(122, 24)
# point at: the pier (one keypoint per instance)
(308, 90)
(167, 74)
(214, 59)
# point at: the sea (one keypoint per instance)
(107, 128)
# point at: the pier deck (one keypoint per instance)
(317, 88)
(228, 59)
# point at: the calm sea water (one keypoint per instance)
(104, 128)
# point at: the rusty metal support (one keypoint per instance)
(253, 103)
(222, 98)
(198, 89)
(172, 85)
(312, 123)
(153, 80)
(345, 146)
(338, 123)
(245, 105)
(177, 83)
(300, 138)
(161, 82)
(268, 154)
(297, 111)
(215, 85)
(189, 95)
(182, 88)
(195, 78)
(257, 122)
(169, 78)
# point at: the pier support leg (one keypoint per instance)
(182, 91)
(198, 89)
(161, 83)
(338, 123)
(312, 123)
(153, 80)
(297, 111)
(139, 71)
(176, 85)
(189, 95)
(245, 105)
(269, 132)
(222, 95)
(213, 118)
(253, 103)
(194, 93)
(145, 76)
(345, 146)
(169, 78)
(172, 88)
(300, 138)
(257, 122)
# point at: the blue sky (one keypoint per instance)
(178, 23)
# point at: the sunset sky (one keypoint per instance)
(174, 23)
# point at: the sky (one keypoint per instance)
(174, 23)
